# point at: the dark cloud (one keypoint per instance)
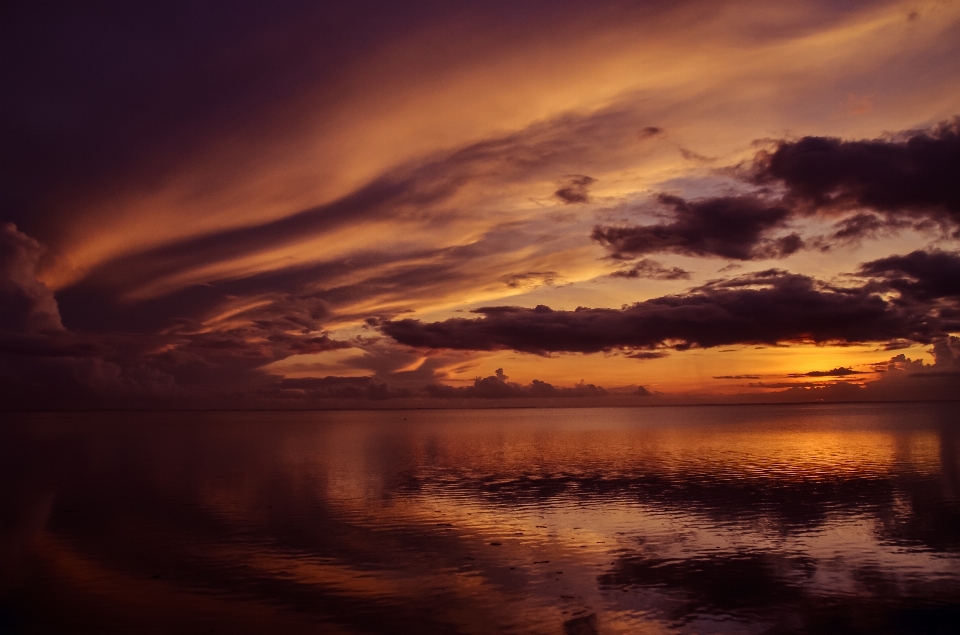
(396, 365)
(836, 372)
(529, 279)
(191, 360)
(496, 386)
(914, 175)
(43, 365)
(800, 384)
(48, 345)
(900, 379)
(26, 304)
(880, 186)
(254, 343)
(647, 355)
(653, 270)
(762, 308)
(737, 377)
(936, 374)
(690, 155)
(919, 275)
(575, 189)
(100, 303)
(896, 345)
(858, 227)
(946, 352)
(736, 227)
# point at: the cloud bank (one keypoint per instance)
(768, 307)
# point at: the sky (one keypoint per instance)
(301, 204)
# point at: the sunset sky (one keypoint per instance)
(317, 204)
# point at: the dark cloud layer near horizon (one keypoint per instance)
(497, 386)
(763, 308)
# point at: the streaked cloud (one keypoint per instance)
(382, 199)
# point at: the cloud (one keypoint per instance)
(879, 187)
(228, 197)
(575, 189)
(919, 275)
(195, 360)
(530, 279)
(737, 377)
(761, 308)
(42, 363)
(649, 131)
(387, 196)
(690, 155)
(735, 227)
(647, 355)
(26, 304)
(946, 352)
(801, 384)
(901, 379)
(852, 230)
(432, 194)
(836, 372)
(496, 386)
(913, 175)
(653, 270)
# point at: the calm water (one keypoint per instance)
(782, 519)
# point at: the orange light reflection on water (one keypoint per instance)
(477, 521)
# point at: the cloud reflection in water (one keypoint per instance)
(760, 519)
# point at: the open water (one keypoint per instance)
(757, 519)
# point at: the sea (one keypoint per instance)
(774, 519)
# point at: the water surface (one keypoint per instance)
(779, 519)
